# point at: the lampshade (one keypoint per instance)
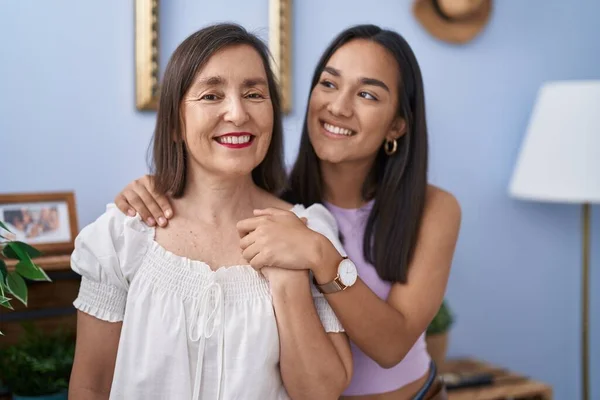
(559, 159)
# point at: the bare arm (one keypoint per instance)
(95, 356)
(386, 331)
(314, 364)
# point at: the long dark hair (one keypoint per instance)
(398, 183)
(169, 151)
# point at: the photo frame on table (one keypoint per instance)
(46, 221)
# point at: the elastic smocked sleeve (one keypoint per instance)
(106, 253)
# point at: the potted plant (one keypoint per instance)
(39, 366)
(437, 334)
(12, 283)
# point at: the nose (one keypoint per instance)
(340, 106)
(236, 112)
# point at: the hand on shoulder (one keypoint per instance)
(139, 196)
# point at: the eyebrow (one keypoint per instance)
(332, 71)
(219, 80)
(211, 81)
(250, 82)
(364, 81)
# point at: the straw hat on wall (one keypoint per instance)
(454, 21)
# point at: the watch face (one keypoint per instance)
(347, 272)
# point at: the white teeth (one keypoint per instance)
(336, 130)
(234, 139)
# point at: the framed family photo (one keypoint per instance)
(46, 221)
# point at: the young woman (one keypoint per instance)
(178, 313)
(363, 154)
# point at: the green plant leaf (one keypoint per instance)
(20, 251)
(442, 321)
(3, 271)
(12, 253)
(5, 302)
(27, 269)
(16, 285)
(40, 363)
(30, 250)
(4, 227)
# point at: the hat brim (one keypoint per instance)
(455, 31)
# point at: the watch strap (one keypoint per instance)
(330, 287)
(333, 286)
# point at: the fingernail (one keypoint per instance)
(162, 221)
(131, 212)
(168, 213)
(151, 221)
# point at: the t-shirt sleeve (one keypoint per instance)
(101, 249)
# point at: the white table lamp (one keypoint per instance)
(559, 161)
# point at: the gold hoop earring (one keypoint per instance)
(390, 146)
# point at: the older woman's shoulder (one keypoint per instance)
(271, 201)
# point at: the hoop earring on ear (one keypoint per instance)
(390, 146)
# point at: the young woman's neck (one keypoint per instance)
(343, 182)
(213, 199)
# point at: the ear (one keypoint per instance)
(397, 130)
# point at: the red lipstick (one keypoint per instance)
(235, 140)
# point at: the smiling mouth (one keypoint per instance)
(235, 141)
(337, 130)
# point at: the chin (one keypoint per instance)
(239, 169)
(330, 155)
(235, 172)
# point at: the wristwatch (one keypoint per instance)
(346, 277)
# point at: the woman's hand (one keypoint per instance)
(139, 196)
(278, 238)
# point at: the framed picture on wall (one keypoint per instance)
(46, 221)
(147, 42)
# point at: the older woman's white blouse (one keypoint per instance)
(188, 332)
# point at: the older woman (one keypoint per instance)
(178, 313)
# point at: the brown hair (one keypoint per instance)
(169, 151)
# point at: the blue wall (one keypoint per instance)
(68, 122)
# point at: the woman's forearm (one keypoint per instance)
(376, 327)
(311, 367)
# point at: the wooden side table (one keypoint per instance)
(507, 384)
(50, 304)
(47, 263)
